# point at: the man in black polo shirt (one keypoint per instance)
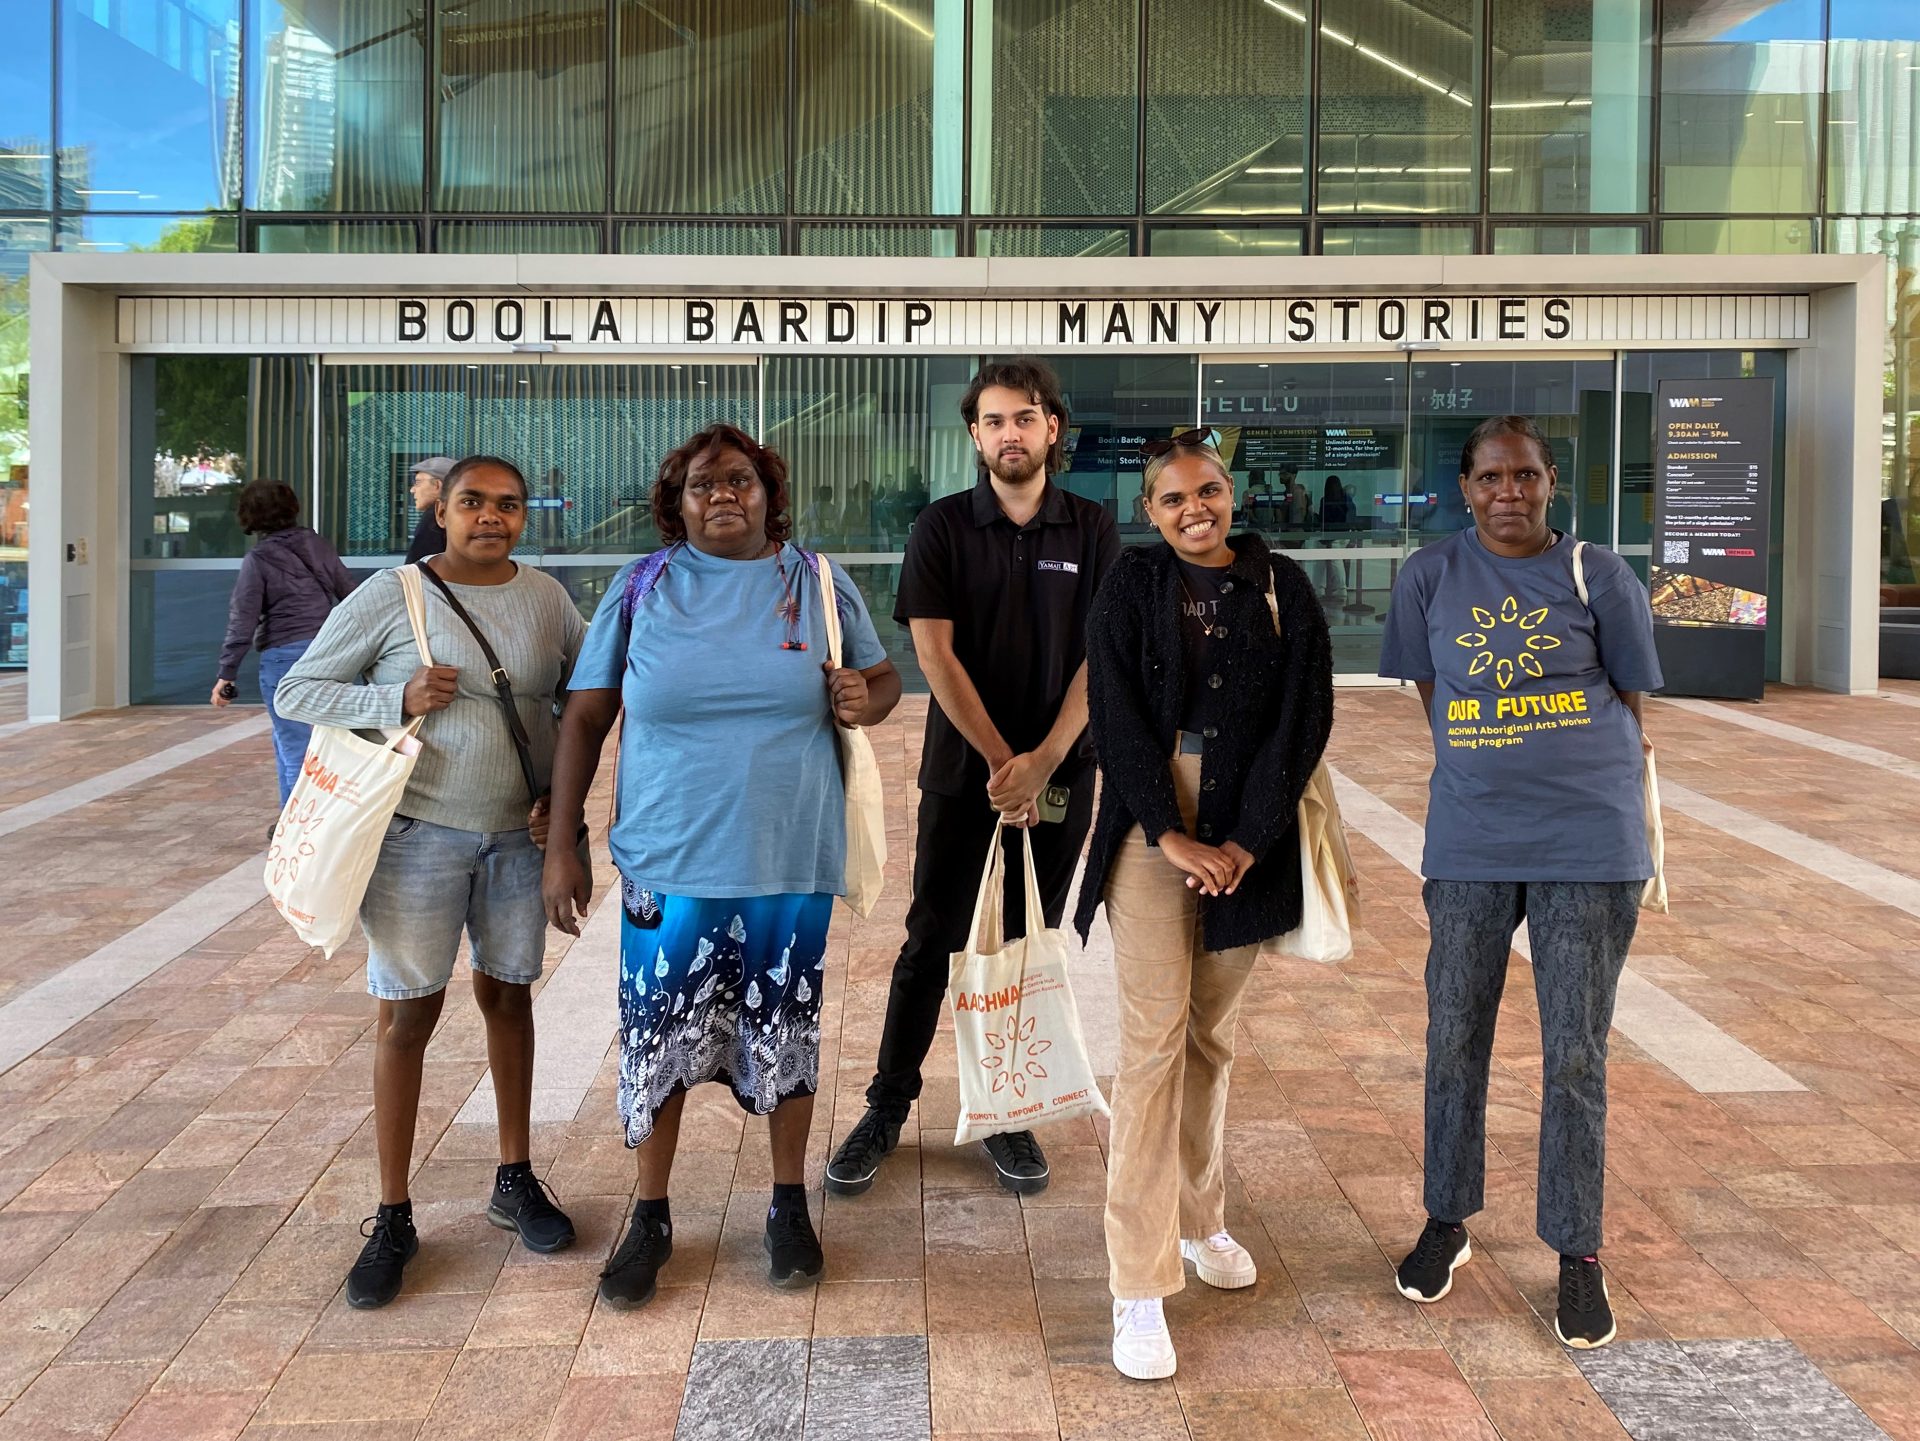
(996, 588)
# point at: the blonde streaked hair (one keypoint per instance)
(1161, 461)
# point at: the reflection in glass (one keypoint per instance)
(1740, 106)
(700, 107)
(1054, 116)
(912, 240)
(1239, 240)
(26, 124)
(695, 238)
(1114, 404)
(1567, 240)
(870, 440)
(1396, 240)
(330, 237)
(517, 237)
(1226, 106)
(521, 106)
(1397, 124)
(879, 117)
(124, 67)
(1873, 79)
(18, 239)
(1793, 236)
(589, 438)
(334, 101)
(199, 427)
(1898, 239)
(1051, 240)
(1571, 113)
(162, 234)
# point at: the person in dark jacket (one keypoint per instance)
(1210, 682)
(288, 583)
(429, 536)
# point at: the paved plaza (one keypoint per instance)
(186, 1150)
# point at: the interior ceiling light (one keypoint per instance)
(905, 19)
(1375, 56)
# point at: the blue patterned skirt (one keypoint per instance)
(719, 990)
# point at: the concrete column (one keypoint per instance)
(76, 568)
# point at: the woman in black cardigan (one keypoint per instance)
(1210, 708)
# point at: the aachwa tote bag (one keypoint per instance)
(329, 835)
(1023, 1058)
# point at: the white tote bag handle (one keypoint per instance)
(987, 905)
(830, 614)
(414, 590)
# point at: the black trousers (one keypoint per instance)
(947, 858)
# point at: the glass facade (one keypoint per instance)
(1007, 128)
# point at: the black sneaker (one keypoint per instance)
(855, 1164)
(793, 1251)
(630, 1273)
(375, 1277)
(1020, 1161)
(520, 1204)
(1585, 1318)
(1427, 1273)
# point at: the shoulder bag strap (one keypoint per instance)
(1580, 572)
(502, 683)
(829, 609)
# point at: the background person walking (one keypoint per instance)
(996, 588)
(1548, 825)
(1210, 711)
(288, 583)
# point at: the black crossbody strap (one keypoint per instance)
(502, 683)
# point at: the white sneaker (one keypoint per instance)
(1142, 1348)
(1220, 1261)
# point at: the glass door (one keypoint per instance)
(1350, 465)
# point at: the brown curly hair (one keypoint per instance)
(264, 506)
(672, 480)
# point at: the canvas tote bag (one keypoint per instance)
(1653, 897)
(860, 771)
(1023, 1059)
(1329, 886)
(330, 831)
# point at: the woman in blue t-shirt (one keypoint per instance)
(730, 831)
(1531, 652)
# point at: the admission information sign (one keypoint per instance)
(1713, 500)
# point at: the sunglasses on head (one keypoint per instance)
(1185, 440)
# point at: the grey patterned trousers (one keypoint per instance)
(1580, 932)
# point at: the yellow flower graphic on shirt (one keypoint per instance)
(1508, 631)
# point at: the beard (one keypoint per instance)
(1016, 470)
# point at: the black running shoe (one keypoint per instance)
(855, 1164)
(520, 1204)
(1585, 1318)
(1427, 1272)
(1021, 1163)
(630, 1274)
(375, 1277)
(794, 1258)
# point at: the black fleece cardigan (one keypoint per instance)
(1253, 772)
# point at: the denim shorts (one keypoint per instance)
(430, 883)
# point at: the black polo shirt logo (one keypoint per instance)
(1068, 566)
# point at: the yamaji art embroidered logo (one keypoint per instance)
(1509, 630)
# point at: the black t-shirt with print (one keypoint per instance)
(1200, 613)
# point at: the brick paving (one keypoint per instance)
(182, 1173)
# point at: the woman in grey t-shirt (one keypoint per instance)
(1533, 693)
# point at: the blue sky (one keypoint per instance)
(1852, 20)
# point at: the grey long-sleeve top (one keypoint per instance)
(356, 671)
